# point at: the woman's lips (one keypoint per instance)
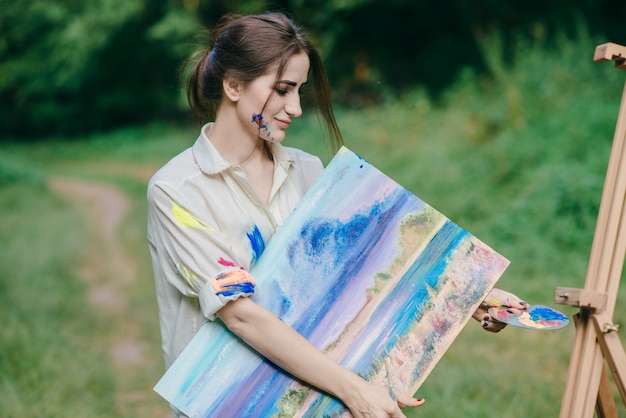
(283, 124)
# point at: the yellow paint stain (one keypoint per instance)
(187, 219)
(191, 278)
(492, 303)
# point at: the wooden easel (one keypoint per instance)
(596, 339)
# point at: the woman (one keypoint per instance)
(213, 207)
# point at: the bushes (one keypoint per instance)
(71, 67)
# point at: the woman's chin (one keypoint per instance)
(275, 139)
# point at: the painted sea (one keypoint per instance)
(365, 271)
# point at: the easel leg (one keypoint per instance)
(583, 380)
(605, 406)
(613, 351)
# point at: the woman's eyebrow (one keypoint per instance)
(287, 82)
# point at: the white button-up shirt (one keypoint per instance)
(204, 219)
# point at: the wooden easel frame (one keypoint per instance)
(588, 385)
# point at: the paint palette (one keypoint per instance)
(536, 317)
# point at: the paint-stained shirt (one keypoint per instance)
(206, 229)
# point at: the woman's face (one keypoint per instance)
(267, 107)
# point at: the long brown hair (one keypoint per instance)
(234, 51)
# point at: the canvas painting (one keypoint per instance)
(367, 272)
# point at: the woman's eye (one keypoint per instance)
(281, 92)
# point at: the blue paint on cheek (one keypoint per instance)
(257, 118)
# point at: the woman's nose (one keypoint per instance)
(293, 106)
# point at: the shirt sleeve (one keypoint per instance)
(192, 255)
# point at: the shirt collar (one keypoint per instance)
(210, 161)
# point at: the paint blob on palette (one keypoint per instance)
(537, 317)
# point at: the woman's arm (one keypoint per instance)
(283, 346)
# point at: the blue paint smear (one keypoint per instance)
(539, 314)
(257, 244)
(334, 242)
(237, 289)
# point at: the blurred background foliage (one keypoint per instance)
(69, 67)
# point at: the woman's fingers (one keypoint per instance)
(487, 321)
(499, 297)
(409, 401)
(492, 325)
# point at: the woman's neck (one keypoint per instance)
(236, 145)
(251, 154)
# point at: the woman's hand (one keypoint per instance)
(497, 298)
(375, 401)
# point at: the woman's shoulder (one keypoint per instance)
(176, 168)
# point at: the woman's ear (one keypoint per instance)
(232, 88)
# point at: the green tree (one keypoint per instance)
(68, 66)
(374, 47)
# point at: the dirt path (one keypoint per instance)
(109, 273)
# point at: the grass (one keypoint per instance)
(516, 156)
(48, 362)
